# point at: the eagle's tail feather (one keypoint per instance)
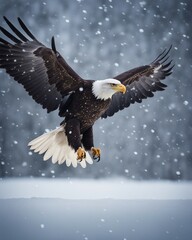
(54, 144)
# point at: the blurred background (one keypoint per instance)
(100, 39)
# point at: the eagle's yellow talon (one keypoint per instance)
(81, 154)
(96, 152)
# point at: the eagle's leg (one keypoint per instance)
(88, 144)
(72, 130)
(96, 152)
(81, 154)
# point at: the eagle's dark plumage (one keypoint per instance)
(141, 82)
(42, 71)
(54, 84)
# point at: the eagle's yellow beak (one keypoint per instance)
(119, 88)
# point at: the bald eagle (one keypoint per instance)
(52, 83)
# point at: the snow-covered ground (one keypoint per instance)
(62, 209)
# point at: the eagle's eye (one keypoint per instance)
(113, 84)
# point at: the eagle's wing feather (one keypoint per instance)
(42, 71)
(141, 82)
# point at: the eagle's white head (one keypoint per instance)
(104, 89)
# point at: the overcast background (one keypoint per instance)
(100, 39)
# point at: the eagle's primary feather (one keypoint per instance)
(51, 82)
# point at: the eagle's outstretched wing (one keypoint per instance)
(141, 82)
(42, 71)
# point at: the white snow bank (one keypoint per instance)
(94, 189)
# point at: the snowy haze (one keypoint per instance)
(151, 140)
(101, 39)
(116, 188)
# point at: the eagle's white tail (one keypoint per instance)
(54, 144)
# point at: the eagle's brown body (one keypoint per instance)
(83, 106)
